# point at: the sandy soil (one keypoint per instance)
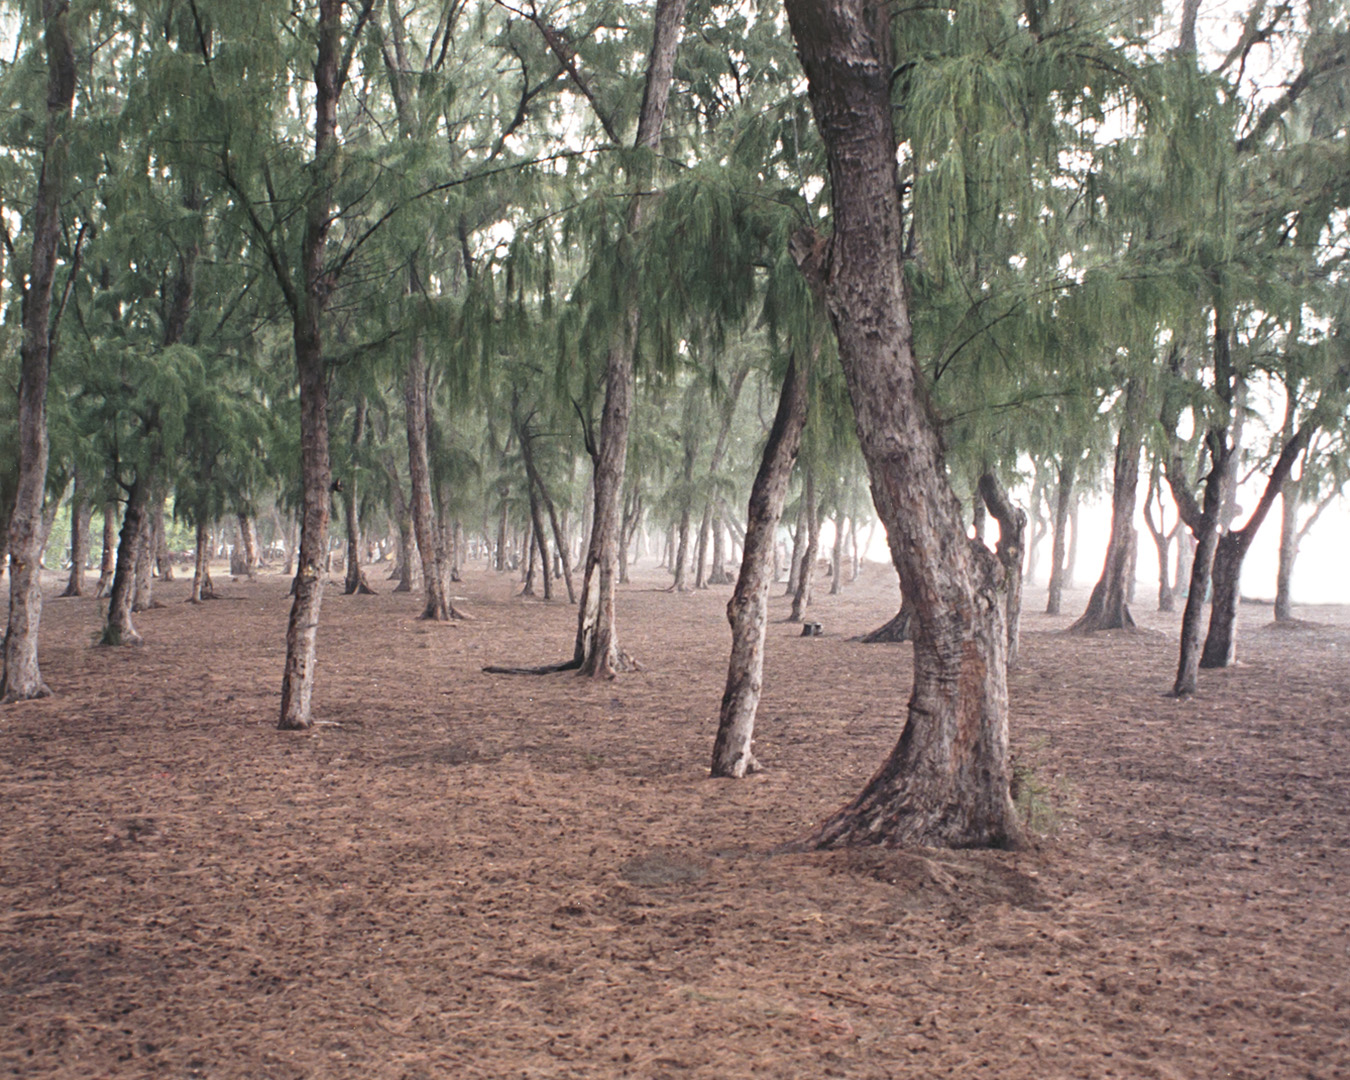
(464, 875)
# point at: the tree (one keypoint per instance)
(947, 781)
(22, 679)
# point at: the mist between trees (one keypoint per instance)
(554, 284)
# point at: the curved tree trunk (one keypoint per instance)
(108, 557)
(145, 560)
(947, 781)
(1012, 531)
(1108, 608)
(748, 608)
(119, 629)
(21, 679)
(202, 587)
(355, 583)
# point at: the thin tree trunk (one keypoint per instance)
(163, 556)
(202, 587)
(798, 557)
(717, 573)
(355, 583)
(436, 605)
(81, 514)
(1108, 608)
(248, 540)
(947, 781)
(1162, 541)
(748, 608)
(837, 556)
(597, 652)
(801, 599)
(108, 557)
(22, 679)
(532, 475)
(1012, 531)
(1220, 649)
(119, 628)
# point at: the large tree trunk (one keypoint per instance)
(748, 608)
(1108, 608)
(22, 679)
(1064, 497)
(597, 652)
(81, 514)
(947, 781)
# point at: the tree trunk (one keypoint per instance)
(1220, 648)
(717, 573)
(163, 556)
(1162, 541)
(248, 540)
(436, 605)
(119, 629)
(1289, 541)
(533, 476)
(1108, 608)
(1059, 544)
(900, 628)
(108, 557)
(145, 561)
(801, 599)
(947, 781)
(798, 557)
(748, 608)
(202, 587)
(837, 556)
(22, 679)
(701, 548)
(308, 302)
(597, 650)
(355, 582)
(1012, 531)
(81, 515)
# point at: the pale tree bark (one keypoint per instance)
(108, 558)
(526, 435)
(1291, 537)
(145, 559)
(748, 608)
(797, 559)
(596, 651)
(1162, 539)
(21, 679)
(248, 542)
(1108, 607)
(837, 556)
(717, 573)
(436, 605)
(1012, 531)
(947, 781)
(163, 557)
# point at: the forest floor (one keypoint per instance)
(460, 875)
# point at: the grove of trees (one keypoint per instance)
(547, 283)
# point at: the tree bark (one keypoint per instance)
(1220, 649)
(119, 628)
(1162, 540)
(1012, 531)
(797, 559)
(748, 608)
(837, 556)
(436, 605)
(81, 515)
(108, 557)
(899, 628)
(947, 781)
(801, 599)
(22, 679)
(202, 586)
(1108, 608)
(145, 559)
(1064, 497)
(597, 652)
(355, 582)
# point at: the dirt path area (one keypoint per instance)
(469, 876)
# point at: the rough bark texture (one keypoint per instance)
(308, 299)
(436, 604)
(202, 587)
(21, 679)
(248, 542)
(1012, 531)
(947, 781)
(1108, 607)
(119, 629)
(898, 629)
(748, 608)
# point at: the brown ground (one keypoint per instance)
(463, 875)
